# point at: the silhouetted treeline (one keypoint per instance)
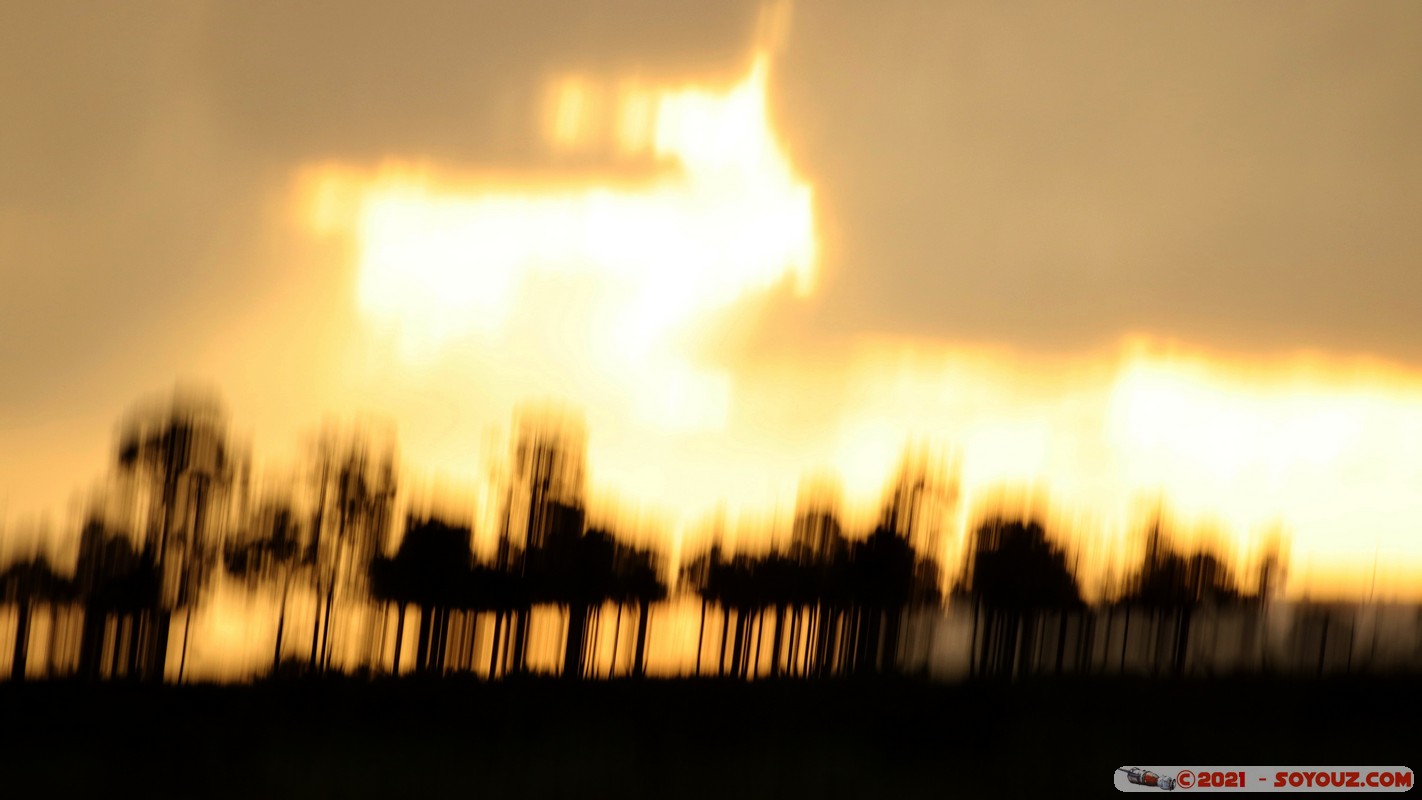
(834, 606)
(354, 591)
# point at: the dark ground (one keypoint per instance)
(549, 738)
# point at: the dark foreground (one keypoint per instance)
(548, 738)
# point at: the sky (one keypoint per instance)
(1113, 252)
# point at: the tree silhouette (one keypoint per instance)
(25, 584)
(882, 585)
(179, 450)
(543, 510)
(275, 555)
(432, 569)
(1015, 574)
(354, 502)
(114, 580)
(836, 604)
(1172, 585)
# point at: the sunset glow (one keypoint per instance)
(442, 255)
(621, 275)
(748, 266)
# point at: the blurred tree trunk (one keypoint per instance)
(399, 636)
(22, 638)
(700, 635)
(759, 632)
(495, 644)
(777, 639)
(520, 653)
(441, 638)
(1125, 638)
(1182, 639)
(617, 635)
(183, 653)
(91, 641)
(725, 634)
(640, 664)
(326, 627)
(422, 640)
(573, 643)
(281, 626)
(738, 645)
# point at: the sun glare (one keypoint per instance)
(442, 255)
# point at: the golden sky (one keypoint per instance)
(1113, 253)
